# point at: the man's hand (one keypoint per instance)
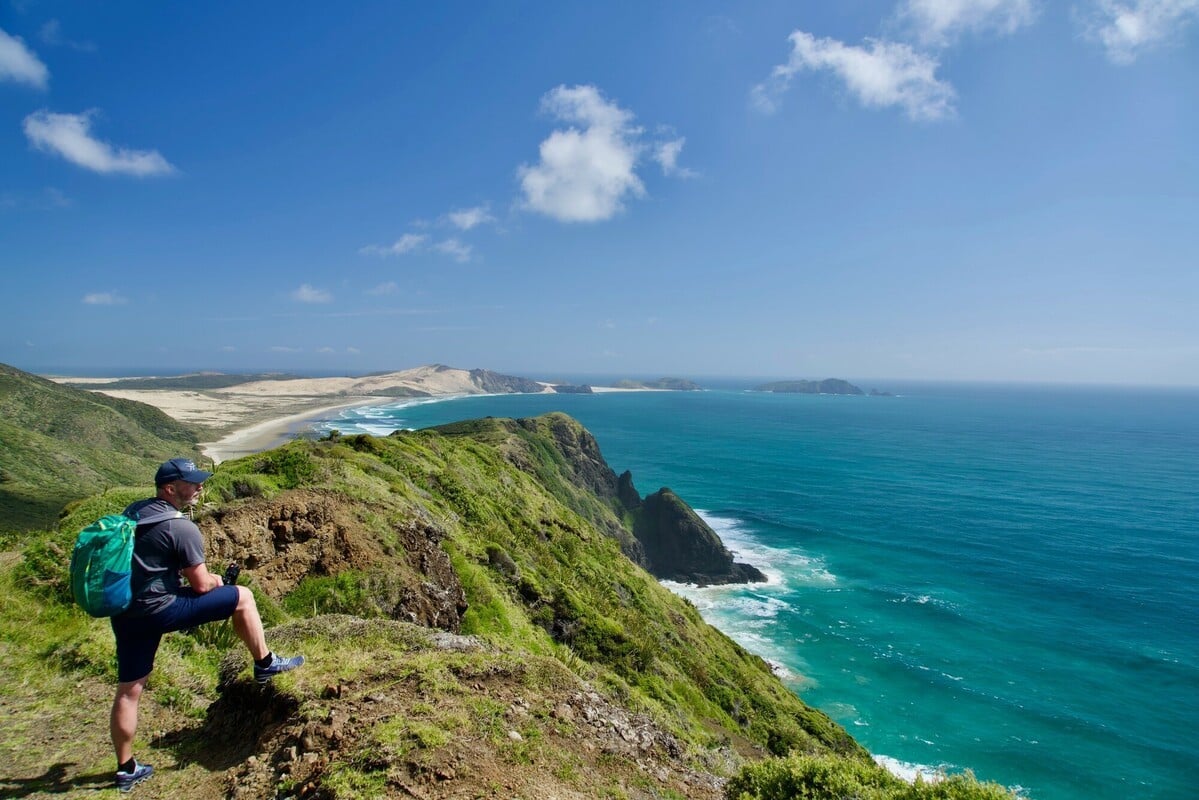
(201, 580)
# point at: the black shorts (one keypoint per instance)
(138, 637)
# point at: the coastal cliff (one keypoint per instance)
(482, 560)
(660, 533)
(473, 628)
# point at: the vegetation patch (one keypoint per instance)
(548, 663)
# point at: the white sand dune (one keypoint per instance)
(256, 416)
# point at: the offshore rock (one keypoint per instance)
(682, 547)
(668, 538)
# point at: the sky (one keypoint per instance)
(1000, 190)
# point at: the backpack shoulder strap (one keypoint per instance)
(156, 518)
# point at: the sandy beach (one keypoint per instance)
(273, 432)
(251, 417)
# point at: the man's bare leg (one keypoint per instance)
(122, 723)
(248, 624)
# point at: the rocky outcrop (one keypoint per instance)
(301, 534)
(460, 745)
(682, 547)
(495, 383)
(581, 456)
(626, 492)
(668, 538)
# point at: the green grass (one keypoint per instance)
(59, 444)
(549, 594)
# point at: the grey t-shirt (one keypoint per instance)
(160, 550)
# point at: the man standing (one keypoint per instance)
(168, 545)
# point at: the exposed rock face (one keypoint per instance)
(626, 492)
(668, 538)
(672, 541)
(437, 599)
(268, 741)
(681, 547)
(495, 383)
(298, 534)
(585, 464)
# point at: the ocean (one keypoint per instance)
(998, 578)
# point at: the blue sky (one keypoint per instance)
(915, 189)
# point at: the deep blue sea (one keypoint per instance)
(997, 578)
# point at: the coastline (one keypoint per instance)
(274, 432)
(251, 417)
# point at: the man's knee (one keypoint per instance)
(131, 690)
(245, 599)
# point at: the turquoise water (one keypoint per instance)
(1005, 579)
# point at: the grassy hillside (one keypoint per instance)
(58, 444)
(470, 631)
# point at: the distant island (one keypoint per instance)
(827, 386)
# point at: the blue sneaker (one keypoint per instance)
(127, 780)
(277, 666)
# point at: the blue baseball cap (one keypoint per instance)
(180, 469)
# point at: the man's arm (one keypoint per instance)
(200, 579)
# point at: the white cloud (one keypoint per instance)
(283, 349)
(467, 218)
(326, 350)
(1127, 29)
(939, 21)
(104, 299)
(412, 242)
(405, 244)
(19, 65)
(586, 172)
(389, 287)
(309, 294)
(69, 136)
(51, 34)
(454, 248)
(229, 349)
(879, 75)
(353, 350)
(667, 156)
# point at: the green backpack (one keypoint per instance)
(102, 563)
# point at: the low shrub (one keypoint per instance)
(833, 778)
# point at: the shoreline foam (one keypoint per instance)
(271, 433)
